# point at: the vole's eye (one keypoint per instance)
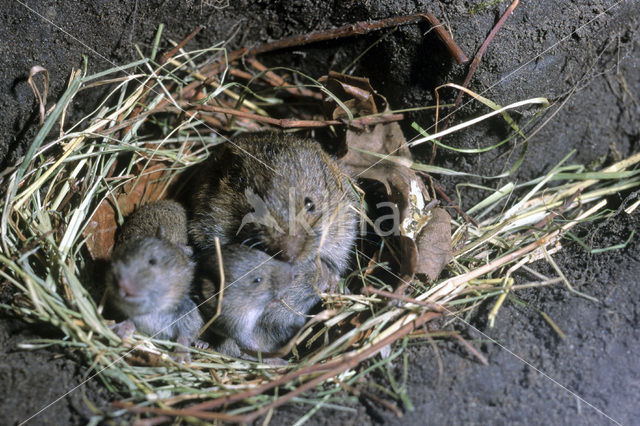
(258, 280)
(308, 205)
(152, 261)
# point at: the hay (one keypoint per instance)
(52, 196)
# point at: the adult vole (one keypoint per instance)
(278, 193)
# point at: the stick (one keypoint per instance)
(276, 81)
(476, 60)
(372, 290)
(348, 31)
(288, 123)
(472, 69)
(345, 31)
(334, 368)
(166, 56)
(446, 38)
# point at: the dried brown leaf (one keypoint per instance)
(434, 244)
(424, 243)
(355, 92)
(384, 138)
(408, 254)
(101, 230)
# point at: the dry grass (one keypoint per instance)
(156, 115)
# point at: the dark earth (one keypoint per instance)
(584, 52)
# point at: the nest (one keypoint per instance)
(64, 200)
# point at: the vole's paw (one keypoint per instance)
(124, 329)
(201, 344)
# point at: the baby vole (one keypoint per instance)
(151, 274)
(288, 311)
(279, 193)
(264, 302)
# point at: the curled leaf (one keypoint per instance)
(384, 138)
(407, 252)
(434, 244)
(355, 93)
(101, 231)
(422, 238)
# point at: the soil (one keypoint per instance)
(584, 56)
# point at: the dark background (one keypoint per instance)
(547, 48)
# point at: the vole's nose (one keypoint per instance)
(127, 288)
(291, 246)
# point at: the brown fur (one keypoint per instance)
(271, 165)
(166, 218)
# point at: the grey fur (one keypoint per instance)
(151, 274)
(265, 300)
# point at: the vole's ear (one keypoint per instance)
(160, 232)
(221, 158)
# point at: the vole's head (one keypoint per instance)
(250, 275)
(251, 280)
(294, 202)
(148, 274)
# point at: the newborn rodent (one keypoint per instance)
(288, 311)
(279, 193)
(150, 277)
(264, 301)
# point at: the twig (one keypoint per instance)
(446, 38)
(363, 122)
(210, 120)
(476, 60)
(281, 122)
(434, 306)
(334, 368)
(288, 123)
(166, 56)
(347, 31)
(277, 81)
(239, 73)
(471, 349)
(472, 69)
